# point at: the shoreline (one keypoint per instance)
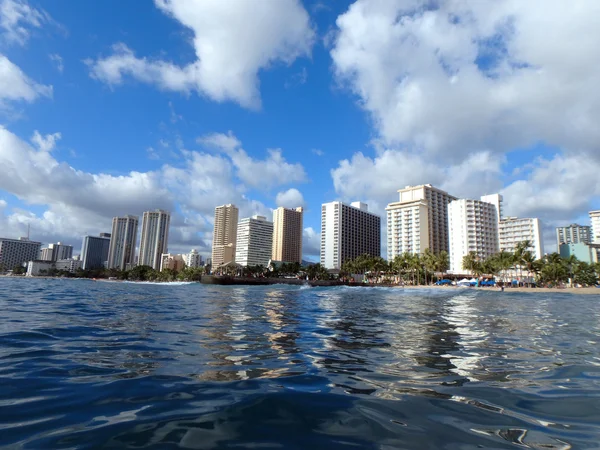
(508, 290)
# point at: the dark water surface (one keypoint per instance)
(107, 365)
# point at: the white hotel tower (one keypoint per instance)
(254, 241)
(121, 254)
(155, 238)
(473, 227)
(348, 231)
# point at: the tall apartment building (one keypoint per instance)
(56, 252)
(94, 251)
(573, 234)
(254, 241)
(348, 231)
(224, 234)
(419, 220)
(513, 230)
(473, 226)
(121, 253)
(16, 252)
(193, 259)
(155, 238)
(287, 234)
(595, 219)
(496, 200)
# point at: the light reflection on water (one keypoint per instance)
(207, 366)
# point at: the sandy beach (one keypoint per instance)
(582, 290)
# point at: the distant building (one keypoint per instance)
(573, 234)
(224, 234)
(496, 200)
(121, 254)
(154, 239)
(193, 259)
(254, 241)
(173, 262)
(61, 251)
(513, 231)
(419, 220)
(70, 265)
(595, 219)
(287, 235)
(348, 231)
(473, 226)
(94, 251)
(583, 252)
(46, 254)
(37, 268)
(17, 252)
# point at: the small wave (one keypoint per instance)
(162, 283)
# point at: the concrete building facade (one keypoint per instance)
(224, 234)
(46, 254)
(595, 219)
(287, 235)
(94, 251)
(173, 262)
(473, 226)
(419, 220)
(193, 259)
(17, 252)
(38, 268)
(348, 231)
(121, 253)
(154, 239)
(70, 265)
(513, 230)
(254, 241)
(573, 234)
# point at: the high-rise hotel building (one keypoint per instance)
(348, 231)
(287, 235)
(16, 252)
(121, 253)
(94, 251)
(155, 238)
(254, 241)
(513, 230)
(573, 234)
(419, 220)
(595, 219)
(224, 234)
(473, 226)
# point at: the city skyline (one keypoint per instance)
(292, 117)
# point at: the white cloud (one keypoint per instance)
(458, 85)
(311, 244)
(233, 41)
(292, 198)
(17, 17)
(260, 174)
(470, 76)
(45, 143)
(79, 202)
(317, 151)
(58, 61)
(16, 86)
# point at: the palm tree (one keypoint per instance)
(428, 260)
(471, 263)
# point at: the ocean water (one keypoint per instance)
(88, 364)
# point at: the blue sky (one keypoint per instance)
(113, 108)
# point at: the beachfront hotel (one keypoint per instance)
(513, 230)
(155, 238)
(254, 241)
(348, 231)
(287, 235)
(193, 259)
(573, 234)
(419, 220)
(473, 226)
(595, 219)
(94, 251)
(224, 234)
(121, 253)
(16, 252)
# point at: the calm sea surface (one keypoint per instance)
(113, 365)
